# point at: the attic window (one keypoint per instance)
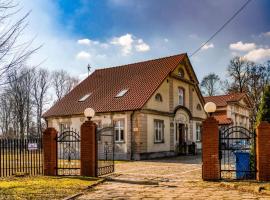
(122, 93)
(181, 73)
(158, 97)
(85, 97)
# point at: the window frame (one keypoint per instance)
(160, 127)
(158, 97)
(198, 132)
(118, 130)
(183, 89)
(181, 72)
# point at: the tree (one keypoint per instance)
(62, 83)
(264, 110)
(12, 52)
(238, 72)
(210, 84)
(39, 91)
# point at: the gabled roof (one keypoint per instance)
(223, 100)
(140, 79)
(222, 119)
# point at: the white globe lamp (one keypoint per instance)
(210, 107)
(89, 113)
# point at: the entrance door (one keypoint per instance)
(181, 139)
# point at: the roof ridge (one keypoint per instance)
(126, 65)
(226, 94)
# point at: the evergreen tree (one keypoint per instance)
(264, 109)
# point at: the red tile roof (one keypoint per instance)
(141, 79)
(222, 119)
(222, 100)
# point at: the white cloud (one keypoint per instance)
(125, 41)
(87, 42)
(240, 46)
(166, 40)
(142, 46)
(208, 46)
(83, 55)
(267, 34)
(258, 55)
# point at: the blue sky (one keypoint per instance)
(112, 32)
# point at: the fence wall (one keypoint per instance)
(21, 156)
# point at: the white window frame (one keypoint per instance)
(198, 132)
(122, 93)
(82, 99)
(119, 126)
(158, 131)
(182, 96)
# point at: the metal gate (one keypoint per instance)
(237, 153)
(68, 153)
(105, 151)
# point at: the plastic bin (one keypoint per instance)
(242, 165)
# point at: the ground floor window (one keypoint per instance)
(159, 131)
(198, 132)
(63, 127)
(119, 131)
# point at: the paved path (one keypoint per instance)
(178, 178)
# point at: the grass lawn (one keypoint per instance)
(43, 187)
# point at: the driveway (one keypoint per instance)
(172, 178)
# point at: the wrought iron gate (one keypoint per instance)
(68, 153)
(105, 151)
(237, 153)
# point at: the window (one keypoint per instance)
(198, 132)
(122, 93)
(181, 96)
(119, 131)
(159, 131)
(158, 97)
(85, 97)
(63, 127)
(199, 107)
(181, 73)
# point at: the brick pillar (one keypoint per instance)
(50, 152)
(210, 150)
(88, 149)
(263, 151)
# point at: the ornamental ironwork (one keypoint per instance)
(237, 153)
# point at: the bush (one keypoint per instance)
(264, 109)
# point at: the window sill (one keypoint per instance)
(161, 142)
(198, 141)
(119, 142)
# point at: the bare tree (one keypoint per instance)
(238, 72)
(62, 83)
(210, 84)
(40, 89)
(13, 51)
(6, 107)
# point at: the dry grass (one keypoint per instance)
(43, 187)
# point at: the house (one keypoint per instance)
(232, 109)
(156, 106)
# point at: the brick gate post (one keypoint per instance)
(263, 151)
(50, 152)
(88, 149)
(210, 149)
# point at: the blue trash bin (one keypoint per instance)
(242, 164)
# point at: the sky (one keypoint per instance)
(107, 33)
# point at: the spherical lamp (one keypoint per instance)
(210, 107)
(89, 113)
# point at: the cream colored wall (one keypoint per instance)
(151, 146)
(76, 122)
(156, 105)
(197, 113)
(176, 85)
(175, 72)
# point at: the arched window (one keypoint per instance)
(181, 73)
(199, 107)
(181, 96)
(158, 97)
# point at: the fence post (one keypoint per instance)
(88, 149)
(210, 149)
(263, 151)
(50, 152)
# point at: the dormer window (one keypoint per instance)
(158, 97)
(85, 97)
(122, 93)
(181, 73)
